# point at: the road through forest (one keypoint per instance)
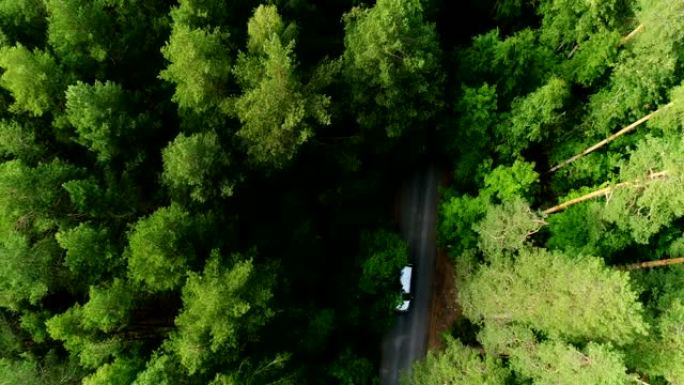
(406, 341)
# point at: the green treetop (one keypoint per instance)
(33, 78)
(577, 299)
(221, 307)
(194, 164)
(276, 109)
(99, 114)
(159, 249)
(457, 364)
(391, 62)
(200, 65)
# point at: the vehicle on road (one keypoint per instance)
(405, 280)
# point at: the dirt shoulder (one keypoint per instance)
(444, 309)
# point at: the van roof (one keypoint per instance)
(405, 278)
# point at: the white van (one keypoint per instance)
(405, 280)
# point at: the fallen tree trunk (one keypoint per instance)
(630, 36)
(609, 139)
(604, 192)
(658, 263)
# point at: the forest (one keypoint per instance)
(200, 192)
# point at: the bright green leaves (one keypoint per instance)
(89, 251)
(99, 115)
(532, 117)
(649, 202)
(643, 74)
(592, 58)
(391, 62)
(26, 271)
(32, 199)
(19, 141)
(32, 205)
(566, 23)
(121, 371)
(663, 354)
(29, 370)
(193, 163)
(459, 214)
(222, 306)
(78, 29)
(109, 307)
(577, 299)
(95, 332)
(558, 363)
(33, 78)
(200, 66)
(159, 249)
(505, 228)
(457, 364)
(82, 342)
(276, 110)
(264, 26)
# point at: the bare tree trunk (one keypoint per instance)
(630, 36)
(604, 192)
(658, 263)
(609, 139)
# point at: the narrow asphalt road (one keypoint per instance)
(406, 342)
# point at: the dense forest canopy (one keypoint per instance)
(201, 191)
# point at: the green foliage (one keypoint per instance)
(193, 164)
(33, 78)
(532, 118)
(592, 58)
(159, 249)
(276, 110)
(582, 230)
(78, 29)
(108, 307)
(22, 20)
(353, 370)
(162, 369)
(507, 227)
(89, 251)
(391, 62)
(644, 72)
(477, 116)
(646, 205)
(49, 371)
(98, 113)
(80, 341)
(506, 183)
(670, 118)
(576, 299)
(457, 364)
(566, 23)
(200, 66)
(119, 372)
(661, 353)
(515, 65)
(31, 198)
(459, 214)
(386, 254)
(557, 363)
(19, 141)
(221, 307)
